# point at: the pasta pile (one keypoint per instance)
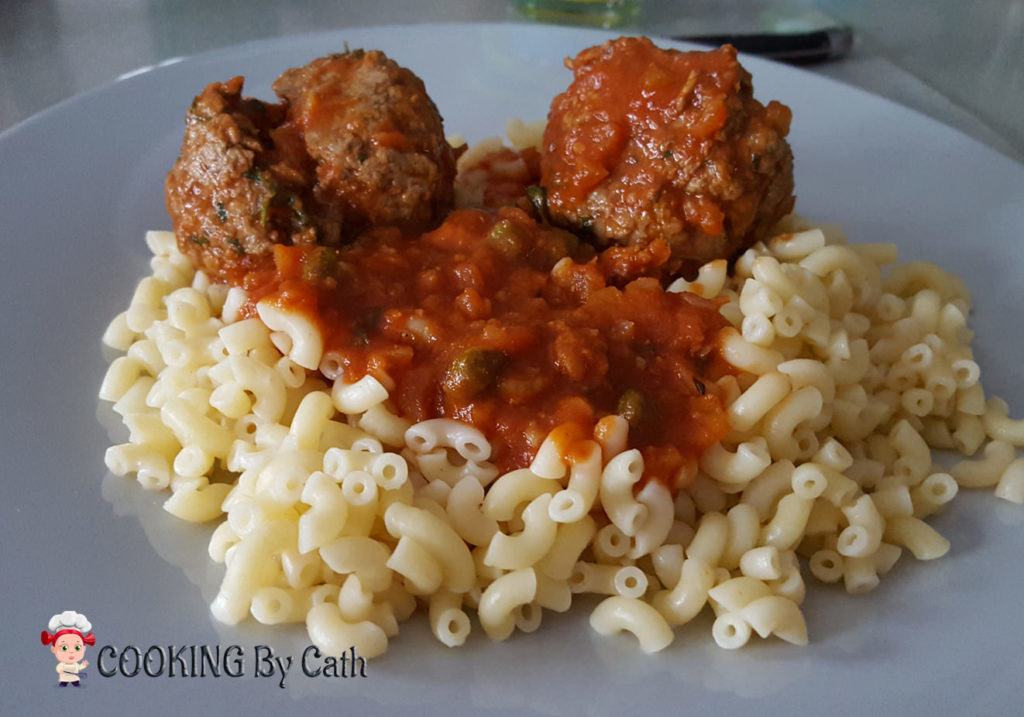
(337, 513)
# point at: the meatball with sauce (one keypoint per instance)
(667, 155)
(355, 142)
(240, 185)
(376, 137)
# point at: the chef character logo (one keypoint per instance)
(67, 638)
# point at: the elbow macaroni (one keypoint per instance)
(346, 516)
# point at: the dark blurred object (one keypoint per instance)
(801, 48)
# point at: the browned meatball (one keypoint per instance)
(376, 137)
(650, 147)
(237, 188)
(355, 142)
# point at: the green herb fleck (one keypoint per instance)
(367, 324)
(538, 197)
(237, 246)
(199, 240)
(261, 177)
(222, 213)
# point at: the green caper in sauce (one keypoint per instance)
(321, 264)
(472, 371)
(556, 245)
(507, 239)
(634, 406)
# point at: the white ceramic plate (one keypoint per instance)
(81, 182)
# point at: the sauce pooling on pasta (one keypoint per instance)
(499, 321)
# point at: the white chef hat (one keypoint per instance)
(69, 621)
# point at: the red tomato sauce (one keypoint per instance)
(498, 178)
(489, 320)
(654, 89)
(650, 145)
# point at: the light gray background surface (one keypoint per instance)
(959, 62)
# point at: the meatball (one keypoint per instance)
(355, 142)
(665, 154)
(239, 187)
(376, 137)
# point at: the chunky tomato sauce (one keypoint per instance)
(489, 320)
(680, 99)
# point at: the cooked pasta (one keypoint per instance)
(337, 512)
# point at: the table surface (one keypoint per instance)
(960, 63)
